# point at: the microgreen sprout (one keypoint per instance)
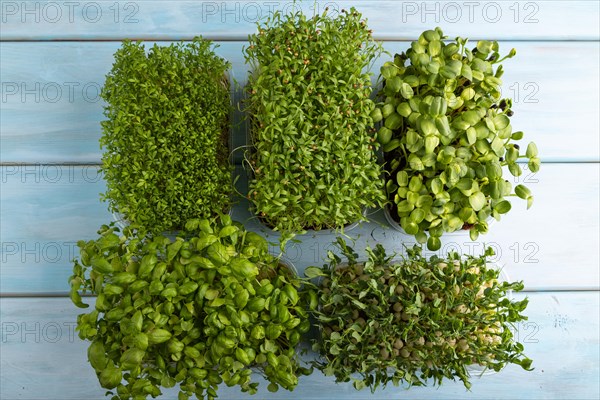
(413, 320)
(166, 134)
(447, 138)
(313, 162)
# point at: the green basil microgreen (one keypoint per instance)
(189, 313)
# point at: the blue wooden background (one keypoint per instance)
(53, 59)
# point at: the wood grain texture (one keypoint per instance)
(51, 111)
(42, 358)
(53, 59)
(554, 245)
(234, 20)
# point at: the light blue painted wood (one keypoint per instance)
(552, 245)
(234, 20)
(51, 111)
(43, 359)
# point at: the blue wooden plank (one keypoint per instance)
(551, 246)
(234, 20)
(42, 358)
(51, 111)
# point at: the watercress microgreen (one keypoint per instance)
(166, 134)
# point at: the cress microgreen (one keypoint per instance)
(313, 159)
(166, 135)
(410, 320)
(210, 307)
(447, 138)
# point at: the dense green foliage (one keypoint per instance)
(166, 135)
(447, 137)
(212, 306)
(414, 319)
(313, 159)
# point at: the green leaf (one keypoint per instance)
(405, 206)
(473, 234)
(534, 164)
(522, 191)
(392, 145)
(387, 110)
(477, 201)
(455, 223)
(376, 115)
(442, 125)
(493, 170)
(501, 121)
(515, 169)
(471, 117)
(404, 110)
(173, 249)
(110, 377)
(503, 207)
(406, 91)
(466, 72)
(435, 48)
(393, 122)
(437, 186)
(421, 237)
(132, 358)
(402, 178)
(465, 184)
(532, 150)
(498, 146)
(434, 243)
(313, 272)
(529, 202)
(471, 135)
(484, 46)
(157, 336)
(411, 228)
(526, 364)
(416, 163)
(97, 355)
(388, 70)
(394, 84)
(76, 299)
(108, 241)
(101, 265)
(517, 135)
(431, 142)
(512, 154)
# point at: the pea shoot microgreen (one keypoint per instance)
(412, 320)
